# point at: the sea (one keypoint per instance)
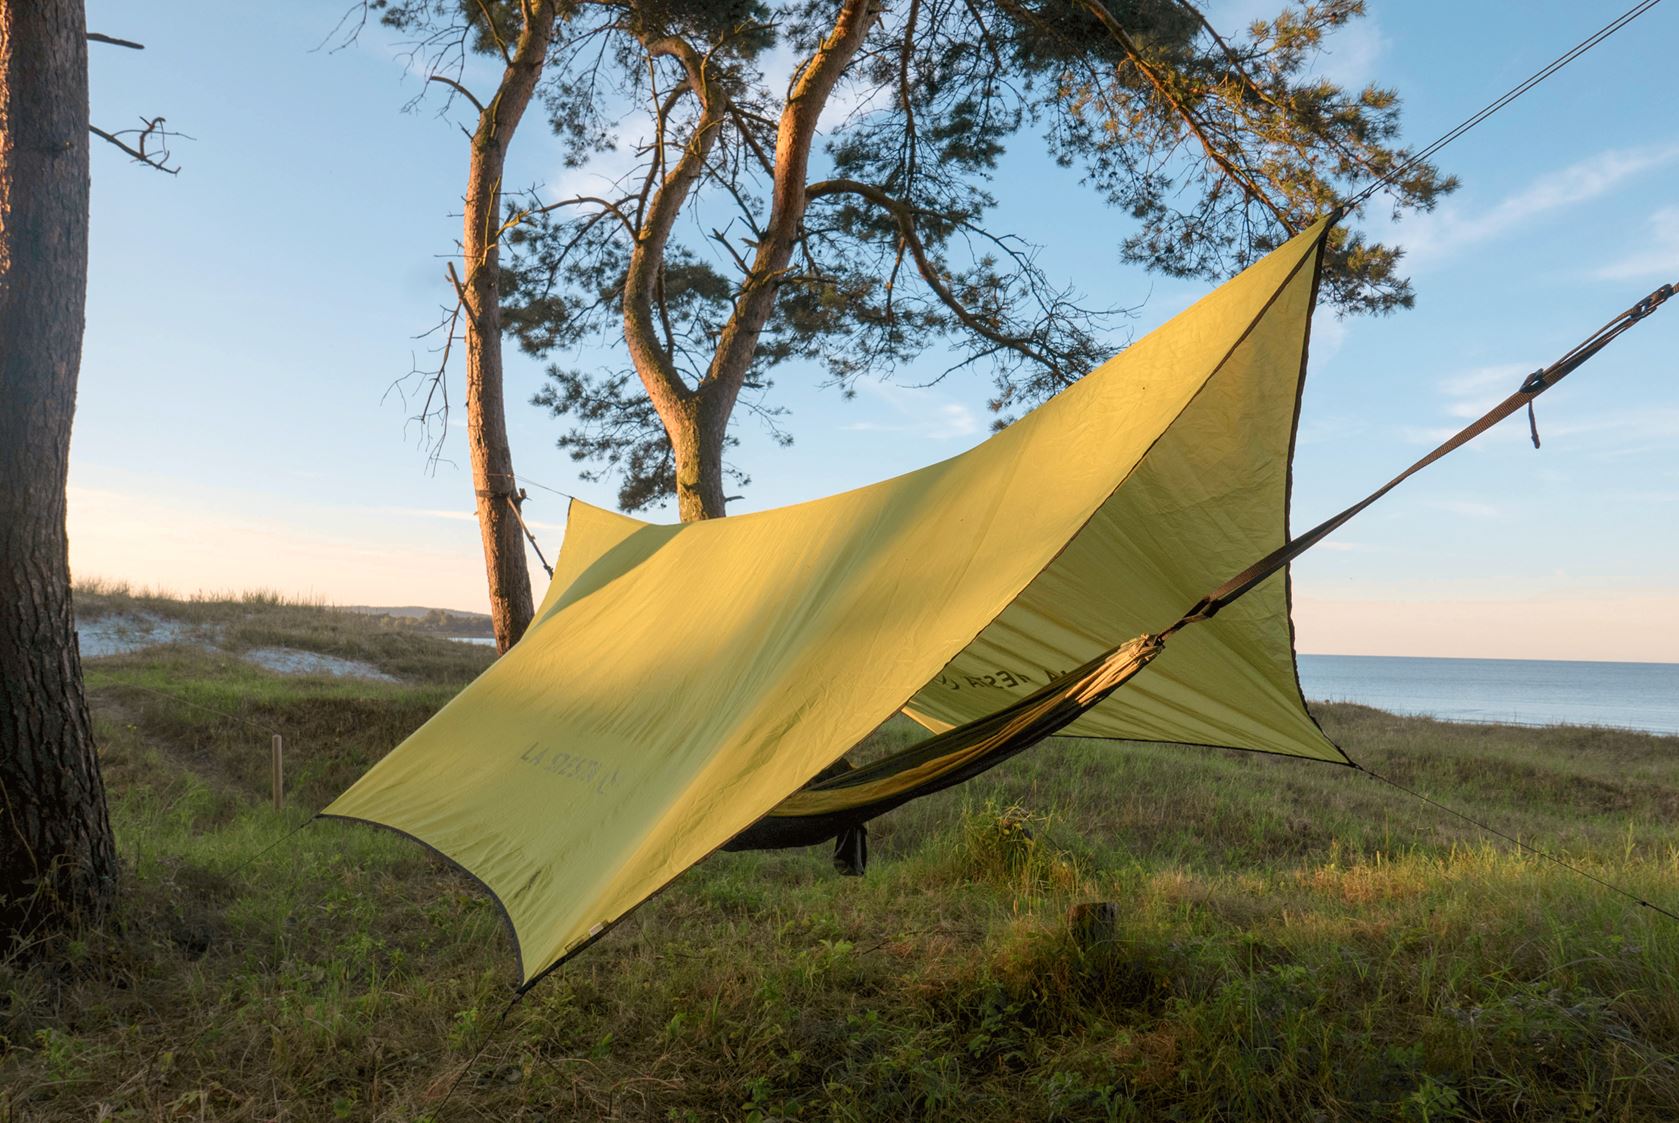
(1643, 696)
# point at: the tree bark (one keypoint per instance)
(696, 438)
(486, 420)
(58, 863)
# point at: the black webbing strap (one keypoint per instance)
(976, 746)
(1536, 383)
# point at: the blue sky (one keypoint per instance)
(246, 317)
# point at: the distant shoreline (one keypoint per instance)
(1591, 694)
(1490, 659)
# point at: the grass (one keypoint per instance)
(1291, 941)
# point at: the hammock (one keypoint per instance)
(689, 687)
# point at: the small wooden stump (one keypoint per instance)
(1093, 923)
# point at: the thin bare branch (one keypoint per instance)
(458, 88)
(157, 158)
(606, 206)
(743, 122)
(718, 237)
(432, 417)
(95, 37)
(904, 215)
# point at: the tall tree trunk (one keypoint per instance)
(697, 440)
(57, 861)
(486, 419)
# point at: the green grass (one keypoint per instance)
(1293, 941)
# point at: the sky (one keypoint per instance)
(247, 318)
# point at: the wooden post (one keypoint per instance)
(279, 775)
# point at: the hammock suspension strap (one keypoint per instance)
(839, 802)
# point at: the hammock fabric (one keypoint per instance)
(684, 684)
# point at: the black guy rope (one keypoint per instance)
(287, 837)
(196, 705)
(518, 514)
(1518, 843)
(532, 483)
(514, 503)
(489, 1036)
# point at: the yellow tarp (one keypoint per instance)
(680, 681)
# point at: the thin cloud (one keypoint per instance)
(356, 558)
(1483, 380)
(1658, 258)
(458, 516)
(919, 412)
(1467, 395)
(1655, 423)
(427, 513)
(1616, 433)
(1438, 235)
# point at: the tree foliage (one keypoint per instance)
(728, 247)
